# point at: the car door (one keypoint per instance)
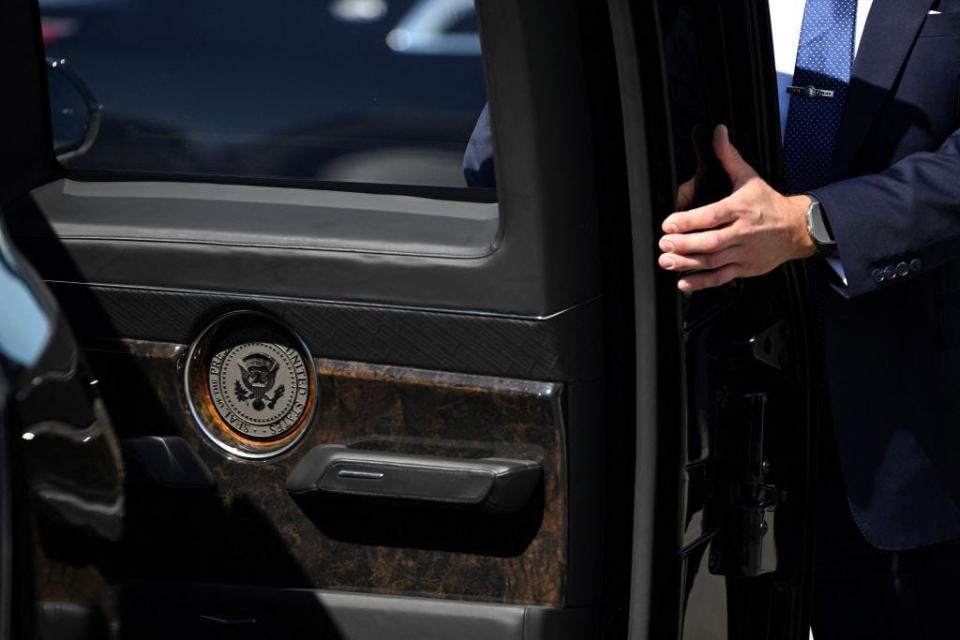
(350, 407)
(357, 399)
(736, 389)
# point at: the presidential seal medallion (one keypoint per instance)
(260, 389)
(251, 385)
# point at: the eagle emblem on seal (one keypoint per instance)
(258, 374)
(260, 389)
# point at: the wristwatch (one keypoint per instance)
(819, 229)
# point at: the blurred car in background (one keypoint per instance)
(375, 91)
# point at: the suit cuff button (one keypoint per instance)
(889, 272)
(878, 276)
(915, 265)
(902, 269)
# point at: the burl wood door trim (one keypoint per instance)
(248, 530)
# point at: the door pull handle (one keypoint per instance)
(495, 485)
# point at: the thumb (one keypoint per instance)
(730, 159)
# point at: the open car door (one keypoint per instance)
(357, 404)
(356, 408)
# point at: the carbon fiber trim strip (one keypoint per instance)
(562, 347)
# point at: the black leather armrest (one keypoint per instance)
(488, 484)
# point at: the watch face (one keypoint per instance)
(817, 227)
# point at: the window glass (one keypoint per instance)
(371, 91)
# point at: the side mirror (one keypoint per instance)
(74, 111)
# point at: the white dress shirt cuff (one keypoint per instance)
(837, 267)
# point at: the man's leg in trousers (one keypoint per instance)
(861, 592)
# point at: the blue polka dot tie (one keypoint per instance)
(818, 93)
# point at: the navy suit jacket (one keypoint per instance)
(892, 335)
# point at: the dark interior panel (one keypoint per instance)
(437, 328)
(249, 530)
(216, 611)
(512, 346)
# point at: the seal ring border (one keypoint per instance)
(305, 421)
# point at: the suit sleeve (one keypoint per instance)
(892, 226)
(478, 167)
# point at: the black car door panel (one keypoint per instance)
(356, 410)
(444, 332)
(333, 615)
(250, 529)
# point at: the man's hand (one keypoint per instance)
(750, 232)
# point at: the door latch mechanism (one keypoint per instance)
(747, 509)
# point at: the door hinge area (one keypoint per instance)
(747, 509)
(770, 346)
(755, 495)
